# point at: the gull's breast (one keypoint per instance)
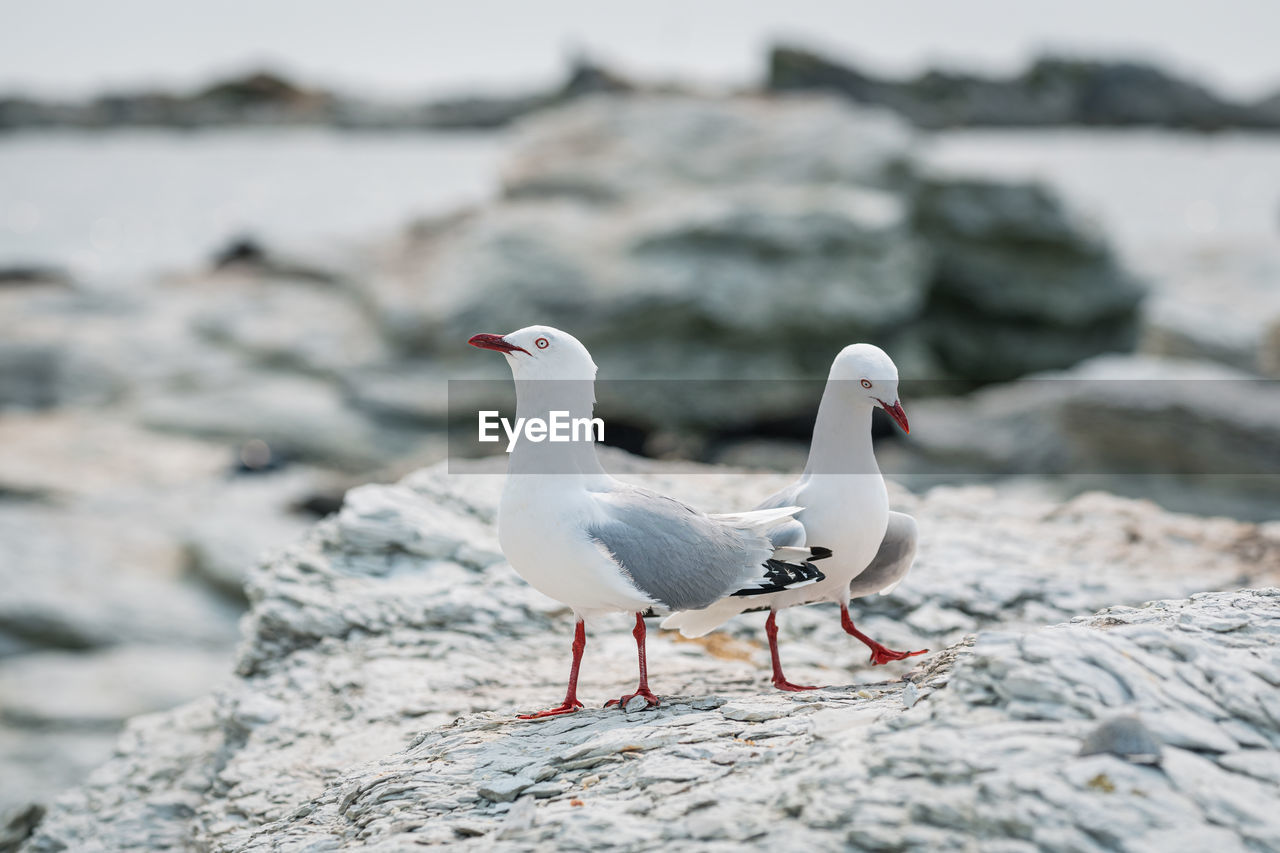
(546, 541)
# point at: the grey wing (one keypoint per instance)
(673, 553)
(891, 562)
(793, 532)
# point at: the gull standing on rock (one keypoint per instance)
(846, 509)
(600, 545)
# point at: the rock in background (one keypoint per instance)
(1197, 436)
(1052, 91)
(685, 237)
(384, 658)
(157, 440)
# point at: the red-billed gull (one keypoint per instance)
(600, 545)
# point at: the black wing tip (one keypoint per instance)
(818, 553)
(779, 576)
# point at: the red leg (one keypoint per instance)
(571, 702)
(643, 689)
(879, 654)
(779, 680)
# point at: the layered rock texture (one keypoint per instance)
(385, 656)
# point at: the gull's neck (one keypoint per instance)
(538, 398)
(842, 435)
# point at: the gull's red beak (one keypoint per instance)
(497, 343)
(895, 412)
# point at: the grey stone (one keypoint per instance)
(18, 826)
(752, 712)
(76, 580)
(1018, 285)
(611, 148)
(502, 789)
(299, 418)
(1126, 737)
(1123, 423)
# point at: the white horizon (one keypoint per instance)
(402, 48)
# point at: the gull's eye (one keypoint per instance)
(542, 343)
(866, 383)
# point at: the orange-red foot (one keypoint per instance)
(783, 684)
(883, 654)
(566, 708)
(652, 700)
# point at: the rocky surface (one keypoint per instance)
(1052, 91)
(385, 656)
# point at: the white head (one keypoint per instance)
(541, 352)
(866, 372)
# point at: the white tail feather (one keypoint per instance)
(696, 623)
(760, 521)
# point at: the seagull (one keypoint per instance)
(600, 545)
(846, 508)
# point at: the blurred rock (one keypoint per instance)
(639, 286)
(1019, 284)
(261, 89)
(74, 453)
(589, 78)
(246, 254)
(32, 275)
(30, 376)
(1125, 423)
(1216, 305)
(1269, 355)
(18, 825)
(1125, 737)
(770, 233)
(292, 324)
(376, 696)
(232, 527)
(1269, 107)
(105, 687)
(266, 98)
(299, 418)
(1052, 91)
(81, 579)
(609, 149)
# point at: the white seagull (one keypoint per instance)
(846, 509)
(600, 545)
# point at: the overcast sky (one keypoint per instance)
(400, 47)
